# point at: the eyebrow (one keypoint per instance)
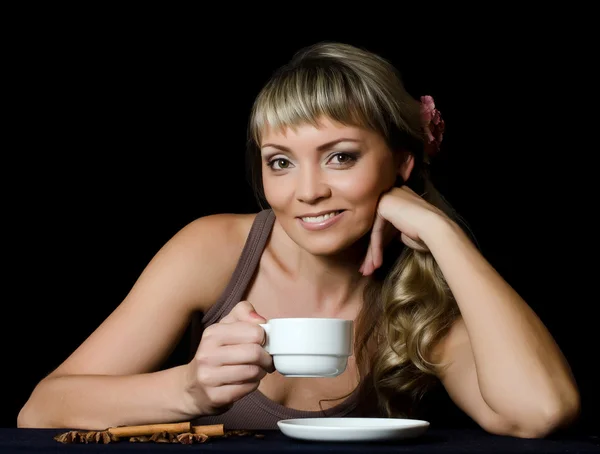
(325, 146)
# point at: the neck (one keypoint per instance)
(332, 284)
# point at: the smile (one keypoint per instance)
(318, 219)
(320, 222)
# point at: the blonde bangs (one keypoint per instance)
(309, 93)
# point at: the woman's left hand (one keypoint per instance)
(400, 210)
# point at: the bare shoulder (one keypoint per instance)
(187, 274)
(208, 249)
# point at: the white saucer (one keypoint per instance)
(352, 429)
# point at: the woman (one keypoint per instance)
(352, 228)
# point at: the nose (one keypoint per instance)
(312, 187)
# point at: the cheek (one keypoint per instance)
(364, 186)
(276, 190)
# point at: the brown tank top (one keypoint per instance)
(255, 411)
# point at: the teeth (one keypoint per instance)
(321, 218)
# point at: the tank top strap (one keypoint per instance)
(245, 268)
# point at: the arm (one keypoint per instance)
(498, 363)
(112, 378)
(505, 370)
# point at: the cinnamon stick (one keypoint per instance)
(150, 429)
(212, 430)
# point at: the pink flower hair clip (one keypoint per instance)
(433, 125)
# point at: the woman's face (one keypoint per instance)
(324, 183)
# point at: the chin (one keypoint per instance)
(327, 245)
(326, 250)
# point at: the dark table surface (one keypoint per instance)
(434, 441)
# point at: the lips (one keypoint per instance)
(320, 221)
(320, 218)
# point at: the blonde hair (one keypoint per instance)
(408, 306)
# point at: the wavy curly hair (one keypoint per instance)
(408, 306)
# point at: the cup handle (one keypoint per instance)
(267, 328)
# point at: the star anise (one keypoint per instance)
(75, 436)
(190, 438)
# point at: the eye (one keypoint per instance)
(344, 158)
(279, 164)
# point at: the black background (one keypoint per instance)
(123, 127)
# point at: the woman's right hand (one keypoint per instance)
(229, 363)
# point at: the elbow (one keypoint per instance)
(539, 423)
(34, 414)
(25, 418)
(31, 417)
(555, 417)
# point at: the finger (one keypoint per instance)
(376, 245)
(243, 311)
(233, 375)
(366, 267)
(366, 261)
(231, 355)
(233, 333)
(421, 247)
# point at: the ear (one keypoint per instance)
(406, 165)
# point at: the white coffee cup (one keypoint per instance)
(309, 347)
